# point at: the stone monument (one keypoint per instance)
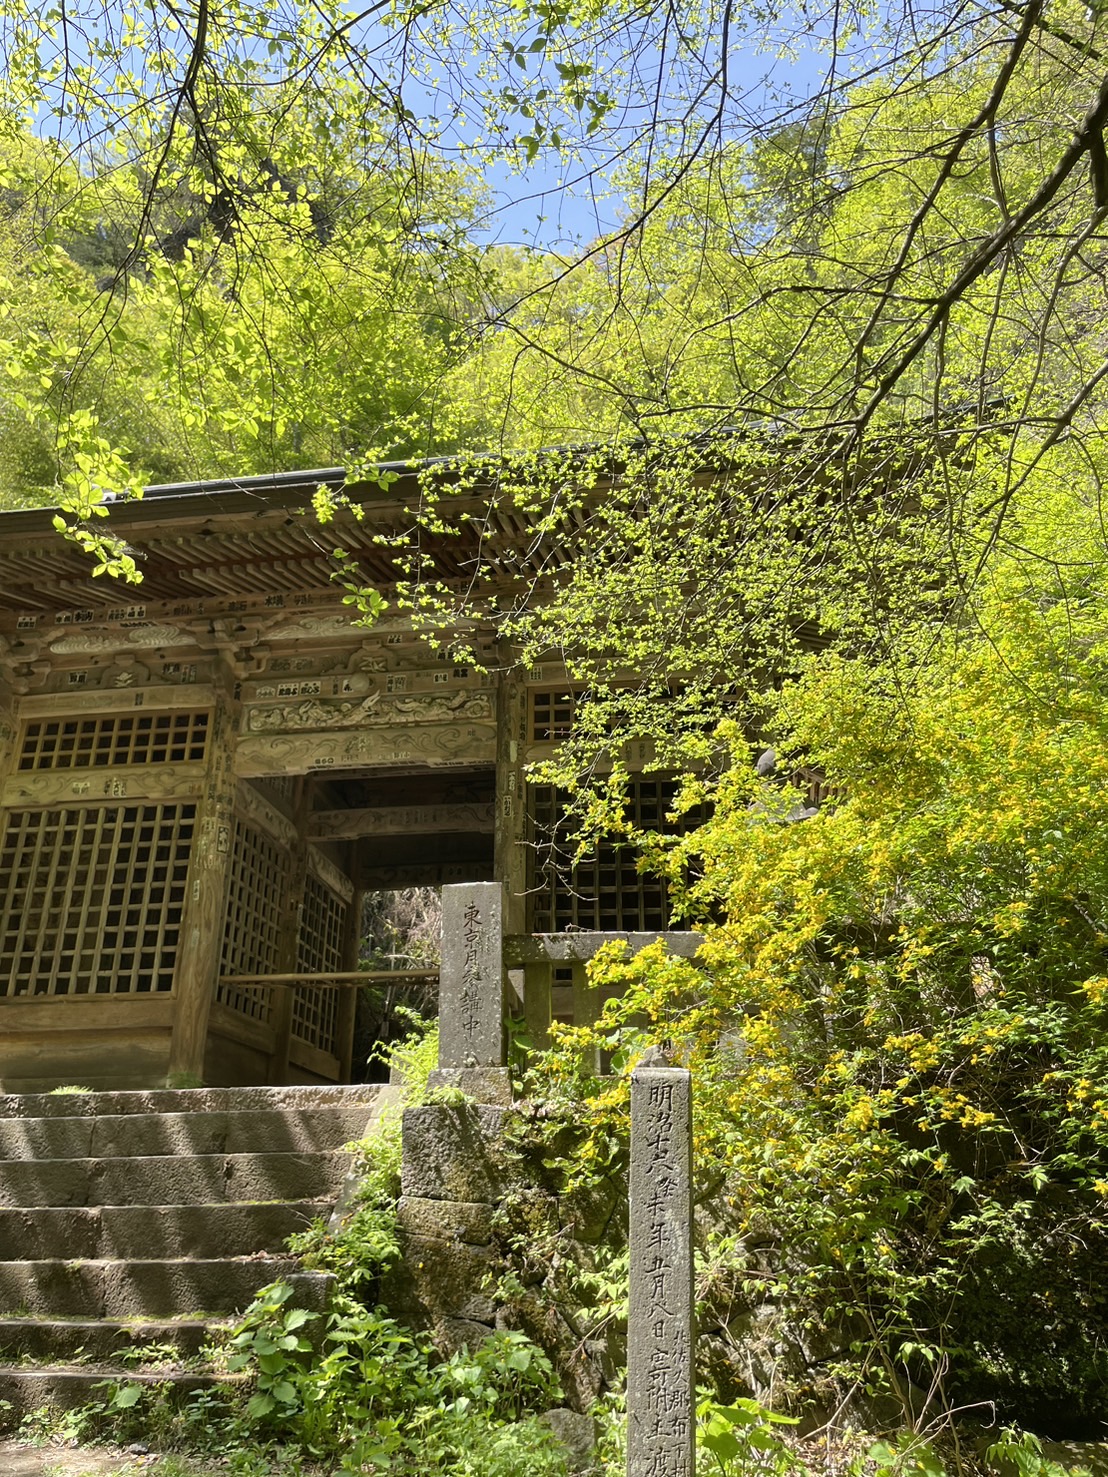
(661, 1427)
(452, 1171)
(471, 992)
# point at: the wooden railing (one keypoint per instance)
(328, 980)
(545, 973)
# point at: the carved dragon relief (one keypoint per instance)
(309, 628)
(280, 754)
(134, 637)
(372, 711)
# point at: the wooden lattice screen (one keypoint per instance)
(93, 897)
(113, 738)
(255, 905)
(552, 714)
(320, 948)
(605, 892)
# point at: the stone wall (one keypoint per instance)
(490, 1242)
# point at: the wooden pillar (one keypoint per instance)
(510, 834)
(202, 925)
(351, 953)
(8, 729)
(8, 732)
(537, 986)
(586, 1010)
(292, 916)
(510, 840)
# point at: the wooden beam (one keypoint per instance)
(92, 1015)
(348, 1001)
(431, 873)
(338, 980)
(178, 781)
(401, 820)
(569, 948)
(392, 862)
(311, 1059)
(237, 1027)
(156, 698)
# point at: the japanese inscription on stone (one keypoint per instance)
(471, 975)
(660, 1383)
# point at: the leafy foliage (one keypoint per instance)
(741, 1438)
(380, 1394)
(896, 1018)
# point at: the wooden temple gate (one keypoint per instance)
(202, 775)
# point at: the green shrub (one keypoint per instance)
(379, 1393)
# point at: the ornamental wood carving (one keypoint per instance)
(141, 782)
(372, 711)
(282, 754)
(140, 637)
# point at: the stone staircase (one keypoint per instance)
(132, 1220)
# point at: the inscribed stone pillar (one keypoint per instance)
(510, 834)
(471, 1004)
(660, 1383)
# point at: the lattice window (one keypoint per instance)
(322, 930)
(92, 898)
(255, 907)
(607, 892)
(113, 738)
(552, 714)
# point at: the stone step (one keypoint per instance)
(106, 1339)
(149, 1220)
(203, 1179)
(156, 1289)
(121, 1135)
(62, 1387)
(153, 1231)
(373, 1095)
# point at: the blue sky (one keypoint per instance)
(563, 202)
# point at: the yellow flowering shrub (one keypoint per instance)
(896, 1023)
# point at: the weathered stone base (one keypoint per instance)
(453, 1152)
(482, 1084)
(444, 1277)
(457, 1220)
(470, 1211)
